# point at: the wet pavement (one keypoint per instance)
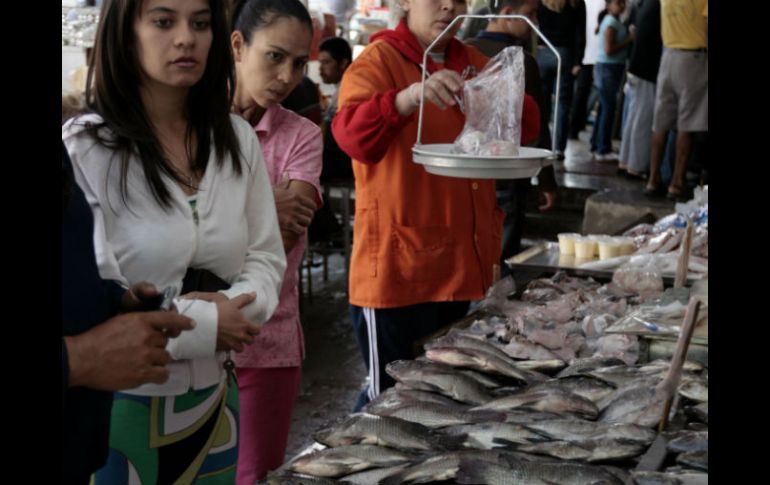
(333, 372)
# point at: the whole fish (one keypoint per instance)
(436, 416)
(590, 450)
(576, 430)
(699, 412)
(482, 361)
(695, 459)
(384, 431)
(458, 340)
(440, 467)
(584, 365)
(558, 401)
(689, 441)
(532, 473)
(487, 436)
(438, 378)
(635, 405)
(372, 476)
(588, 387)
(694, 389)
(335, 462)
(543, 366)
(397, 396)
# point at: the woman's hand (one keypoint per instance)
(440, 89)
(233, 329)
(295, 212)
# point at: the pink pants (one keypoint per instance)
(267, 400)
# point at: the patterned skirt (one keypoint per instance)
(191, 438)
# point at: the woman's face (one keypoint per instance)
(271, 66)
(616, 7)
(428, 18)
(173, 38)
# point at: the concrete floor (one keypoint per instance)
(333, 372)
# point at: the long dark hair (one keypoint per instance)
(251, 15)
(112, 91)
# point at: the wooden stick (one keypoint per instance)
(683, 264)
(671, 382)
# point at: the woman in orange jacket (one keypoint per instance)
(424, 244)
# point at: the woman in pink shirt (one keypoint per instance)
(271, 45)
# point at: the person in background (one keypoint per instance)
(643, 66)
(586, 95)
(106, 344)
(608, 73)
(562, 22)
(271, 46)
(177, 185)
(681, 97)
(425, 245)
(335, 57)
(512, 194)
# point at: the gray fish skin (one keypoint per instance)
(523, 416)
(485, 380)
(695, 390)
(484, 362)
(636, 405)
(487, 436)
(436, 416)
(474, 471)
(543, 366)
(581, 366)
(564, 450)
(589, 387)
(395, 397)
(577, 430)
(689, 441)
(558, 401)
(383, 431)
(370, 477)
(440, 467)
(700, 412)
(655, 478)
(691, 366)
(591, 450)
(695, 459)
(459, 340)
(335, 462)
(297, 479)
(623, 375)
(439, 378)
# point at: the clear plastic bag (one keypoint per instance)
(640, 275)
(493, 103)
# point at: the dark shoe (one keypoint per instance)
(658, 191)
(678, 196)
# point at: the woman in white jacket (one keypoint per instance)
(176, 182)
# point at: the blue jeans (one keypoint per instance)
(546, 61)
(607, 79)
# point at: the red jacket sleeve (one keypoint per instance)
(530, 120)
(365, 130)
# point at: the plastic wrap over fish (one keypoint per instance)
(493, 104)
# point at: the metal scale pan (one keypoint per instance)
(439, 159)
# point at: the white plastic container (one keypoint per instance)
(609, 247)
(585, 248)
(567, 242)
(626, 245)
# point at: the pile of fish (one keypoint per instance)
(510, 400)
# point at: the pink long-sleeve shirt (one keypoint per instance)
(292, 147)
